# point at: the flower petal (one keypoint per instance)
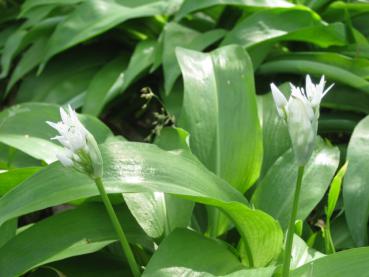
(279, 100)
(65, 161)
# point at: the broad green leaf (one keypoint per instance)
(253, 272)
(347, 98)
(334, 190)
(8, 230)
(295, 24)
(172, 138)
(355, 187)
(30, 59)
(71, 233)
(175, 35)
(173, 102)
(109, 77)
(338, 122)
(190, 6)
(302, 254)
(140, 61)
(274, 193)
(220, 113)
(137, 167)
(5, 33)
(97, 264)
(353, 262)
(32, 4)
(355, 50)
(187, 253)
(357, 66)
(259, 53)
(11, 158)
(36, 15)
(10, 49)
(12, 178)
(333, 66)
(337, 10)
(158, 213)
(8, 13)
(24, 127)
(22, 38)
(94, 17)
(341, 235)
(360, 22)
(67, 76)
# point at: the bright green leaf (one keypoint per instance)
(71, 233)
(355, 187)
(353, 262)
(294, 24)
(66, 77)
(12, 178)
(193, 5)
(274, 193)
(220, 113)
(137, 167)
(175, 35)
(186, 253)
(94, 17)
(335, 190)
(109, 77)
(302, 254)
(335, 67)
(8, 230)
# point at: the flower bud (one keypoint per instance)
(80, 147)
(301, 113)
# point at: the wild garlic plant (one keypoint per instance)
(301, 114)
(82, 153)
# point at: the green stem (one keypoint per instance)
(291, 225)
(118, 229)
(329, 245)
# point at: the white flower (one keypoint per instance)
(80, 148)
(301, 113)
(280, 101)
(65, 158)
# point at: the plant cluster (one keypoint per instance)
(208, 138)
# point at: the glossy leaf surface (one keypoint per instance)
(355, 186)
(188, 253)
(220, 113)
(71, 233)
(274, 194)
(346, 263)
(136, 167)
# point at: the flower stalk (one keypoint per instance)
(118, 228)
(291, 224)
(82, 153)
(301, 114)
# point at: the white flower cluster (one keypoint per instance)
(80, 148)
(301, 113)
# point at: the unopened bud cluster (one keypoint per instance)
(80, 148)
(301, 114)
